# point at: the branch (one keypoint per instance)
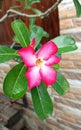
(46, 13)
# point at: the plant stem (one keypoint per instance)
(44, 14)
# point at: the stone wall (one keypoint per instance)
(71, 25)
(67, 115)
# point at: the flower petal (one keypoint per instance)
(28, 56)
(33, 76)
(33, 43)
(48, 75)
(53, 60)
(47, 50)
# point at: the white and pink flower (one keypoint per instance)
(40, 63)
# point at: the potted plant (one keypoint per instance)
(38, 65)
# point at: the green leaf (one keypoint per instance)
(61, 86)
(21, 31)
(65, 43)
(34, 1)
(38, 33)
(15, 83)
(32, 22)
(36, 11)
(15, 39)
(16, 6)
(7, 53)
(42, 102)
(56, 66)
(78, 7)
(30, 2)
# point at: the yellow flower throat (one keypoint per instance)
(39, 62)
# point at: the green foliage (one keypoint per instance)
(31, 22)
(14, 7)
(78, 7)
(33, 1)
(41, 100)
(21, 32)
(28, 3)
(61, 86)
(7, 53)
(38, 33)
(36, 11)
(65, 43)
(15, 83)
(15, 39)
(56, 67)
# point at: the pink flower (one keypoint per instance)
(39, 64)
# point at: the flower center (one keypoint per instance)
(39, 62)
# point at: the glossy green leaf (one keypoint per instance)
(7, 53)
(78, 7)
(38, 33)
(61, 86)
(65, 43)
(21, 32)
(42, 102)
(15, 83)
